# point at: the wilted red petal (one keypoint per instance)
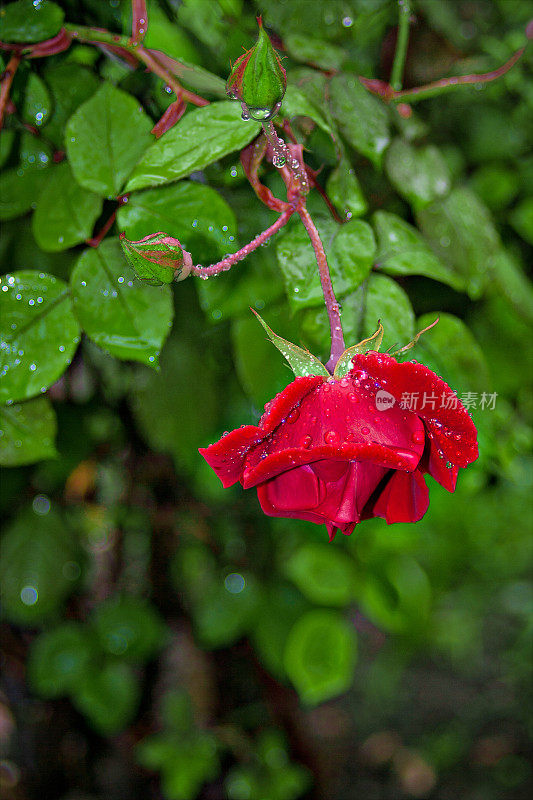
(405, 498)
(448, 423)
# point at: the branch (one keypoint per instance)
(6, 81)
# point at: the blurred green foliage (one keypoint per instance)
(160, 636)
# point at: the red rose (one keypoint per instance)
(339, 451)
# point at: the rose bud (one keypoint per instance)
(258, 80)
(157, 259)
(337, 451)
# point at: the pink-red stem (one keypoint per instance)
(332, 306)
(7, 80)
(233, 258)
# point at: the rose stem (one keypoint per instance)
(283, 155)
(337, 338)
(229, 261)
(99, 36)
(7, 79)
(404, 12)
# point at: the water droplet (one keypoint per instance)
(293, 416)
(365, 431)
(418, 437)
(449, 465)
(245, 115)
(331, 437)
(306, 441)
(33, 367)
(279, 161)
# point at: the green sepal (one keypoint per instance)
(412, 343)
(344, 364)
(302, 362)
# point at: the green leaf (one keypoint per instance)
(185, 762)
(461, 232)
(451, 350)
(59, 659)
(191, 212)
(70, 86)
(396, 596)
(353, 248)
(36, 567)
(221, 617)
(386, 301)
(108, 697)
(420, 174)
(402, 250)
(200, 138)
(512, 283)
(281, 607)
(320, 656)
(345, 192)
(344, 364)
(19, 190)
(65, 212)
(260, 371)
(128, 319)
(164, 36)
(177, 430)
(38, 333)
(301, 361)
(27, 432)
(258, 284)
(350, 250)
(7, 137)
(324, 574)
(37, 105)
(297, 104)
(363, 120)
(105, 138)
(27, 21)
(129, 627)
(312, 50)
(521, 219)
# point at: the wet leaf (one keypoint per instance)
(105, 138)
(362, 119)
(70, 85)
(65, 212)
(195, 214)
(461, 232)
(420, 174)
(36, 105)
(123, 316)
(26, 21)
(350, 250)
(345, 191)
(344, 364)
(27, 432)
(402, 250)
(201, 137)
(38, 331)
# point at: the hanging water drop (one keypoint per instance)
(278, 161)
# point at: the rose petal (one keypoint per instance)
(451, 428)
(434, 463)
(287, 400)
(345, 498)
(226, 457)
(405, 498)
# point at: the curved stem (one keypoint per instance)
(6, 81)
(283, 156)
(404, 12)
(332, 306)
(233, 258)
